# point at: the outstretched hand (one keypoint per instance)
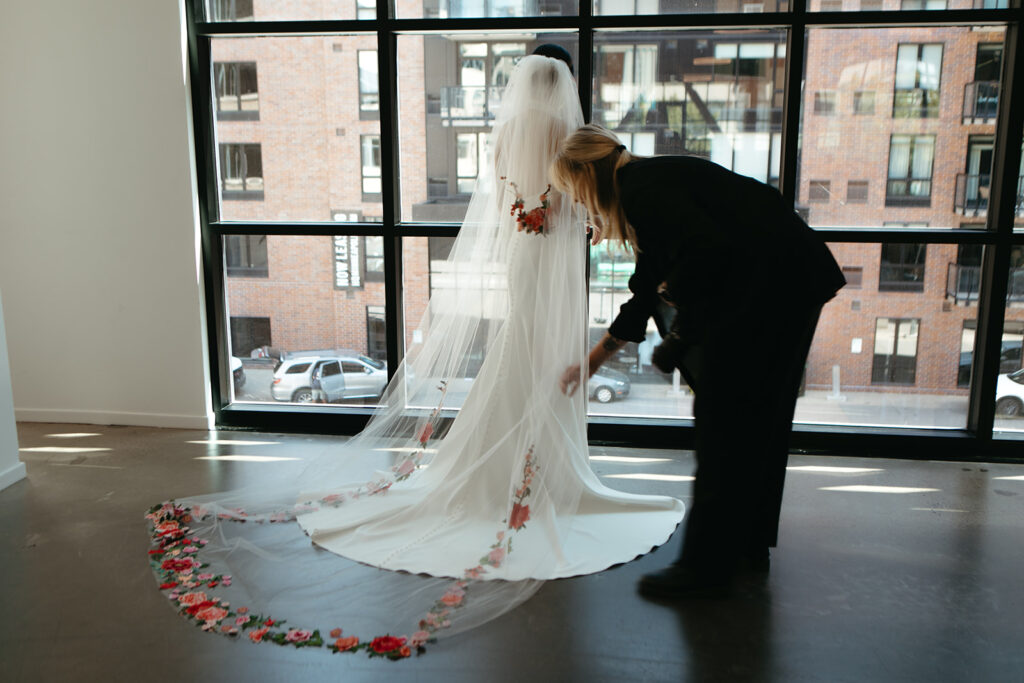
(569, 382)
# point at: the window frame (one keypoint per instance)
(998, 236)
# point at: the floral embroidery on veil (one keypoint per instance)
(533, 220)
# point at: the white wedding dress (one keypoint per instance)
(421, 513)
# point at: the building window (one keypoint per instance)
(864, 102)
(854, 276)
(825, 102)
(820, 191)
(918, 68)
(870, 5)
(369, 86)
(370, 156)
(376, 333)
(348, 272)
(231, 10)
(248, 334)
(895, 357)
(902, 268)
(910, 170)
(470, 158)
(241, 171)
(366, 9)
(857, 192)
(246, 255)
(922, 4)
(373, 259)
(831, 5)
(237, 96)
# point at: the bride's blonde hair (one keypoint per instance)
(585, 169)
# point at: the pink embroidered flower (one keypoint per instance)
(419, 638)
(496, 556)
(406, 468)
(520, 516)
(257, 635)
(335, 633)
(165, 528)
(192, 598)
(205, 577)
(453, 597)
(243, 610)
(298, 636)
(474, 572)
(345, 644)
(211, 614)
(240, 620)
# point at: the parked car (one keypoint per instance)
(608, 384)
(237, 373)
(344, 376)
(1009, 360)
(1010, 394)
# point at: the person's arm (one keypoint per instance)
(602, 351)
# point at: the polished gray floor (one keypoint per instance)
(918, 577)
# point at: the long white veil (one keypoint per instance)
(420, 527)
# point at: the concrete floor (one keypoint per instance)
(867, 585)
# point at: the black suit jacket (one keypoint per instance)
(726, 244)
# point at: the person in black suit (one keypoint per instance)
(735, 281)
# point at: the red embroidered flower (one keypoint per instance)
(257, 635)
(520, 516)
(425, 433)
(199, 607)
(404, 652)
(211, 613)
(169, 584)
(336, 633)
(385, 644)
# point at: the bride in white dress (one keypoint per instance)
(421, 513)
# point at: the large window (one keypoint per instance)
(337, 160)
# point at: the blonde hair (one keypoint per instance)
(585, 169)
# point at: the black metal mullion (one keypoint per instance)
(996, 259)
(211, 246)
(585, 66)
(387, 69)
(796, 46)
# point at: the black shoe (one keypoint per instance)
(680, 581)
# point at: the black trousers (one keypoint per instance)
(746, 377)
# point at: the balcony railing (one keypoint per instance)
(981, 101)
(964, 282)
(469, 105)
(971, 198)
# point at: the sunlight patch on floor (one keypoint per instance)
(627, 459)
(833, 470)
(877, 489)
(235, 442)
(246, 458)
(62, 449)
(72, 435)
(649, 477)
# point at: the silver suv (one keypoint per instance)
(344, 376)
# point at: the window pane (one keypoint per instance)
(292, 147)
(898, 5)
(468, 9)
(909, 162)
(892, 358)
(638, 7)
(1010, 384)
(293, 10)
(311, 307)
(716, 95)
(449, 89)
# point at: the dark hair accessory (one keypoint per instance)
(620, 148)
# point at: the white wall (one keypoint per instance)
(98, 262)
